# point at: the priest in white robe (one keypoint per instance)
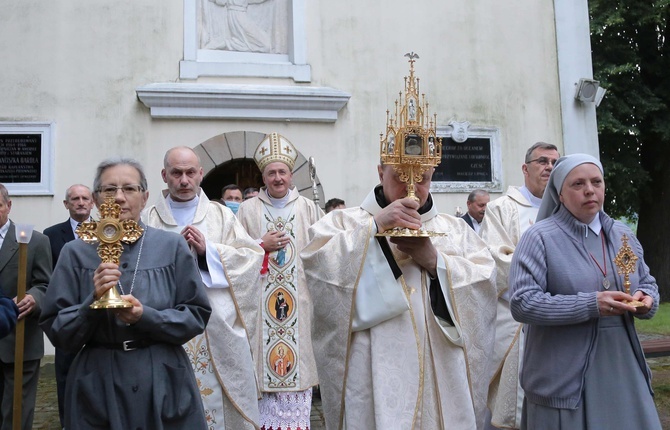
(278, 217)
(506, 219)
(401, 327)
(229, 262)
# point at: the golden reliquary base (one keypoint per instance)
(111, 300)
(635, 303)
(111, 304)
(408, 232)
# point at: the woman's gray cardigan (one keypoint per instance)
(554, 282)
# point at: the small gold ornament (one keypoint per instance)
(108, 233)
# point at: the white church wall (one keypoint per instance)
(78, 64)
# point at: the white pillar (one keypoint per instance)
(573, 45)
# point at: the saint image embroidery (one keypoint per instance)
(281, 359)
(283, 256)
(280, 305)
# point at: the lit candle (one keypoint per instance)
(24, 232)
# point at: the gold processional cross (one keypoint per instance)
(109, 232)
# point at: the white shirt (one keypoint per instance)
(595, 226)
(3, 232)
(475, 224)
(74, 224)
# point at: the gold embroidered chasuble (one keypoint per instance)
(221, 357)
(408, 369)
(507, 218)
(281, 337)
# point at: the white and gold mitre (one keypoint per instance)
(275, 147)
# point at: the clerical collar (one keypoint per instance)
(183, 212)
(534, 201)
(381, 200)
(280, 202)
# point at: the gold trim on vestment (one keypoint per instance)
(224, 389)
(419, 398)
(511, 345)
(465, 350)
(429, 343)
(351, 313)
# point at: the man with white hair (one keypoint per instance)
(79, 203)
(279, 218)
(30, 307)
(401, 327)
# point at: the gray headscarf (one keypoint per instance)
(550, 200)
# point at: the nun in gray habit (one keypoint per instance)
(583, 366)
(131, 371)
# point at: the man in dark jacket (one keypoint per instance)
(39, 268)
(79, 203)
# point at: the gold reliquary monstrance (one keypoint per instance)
(410, 144)
(108, 233)
(626, 262)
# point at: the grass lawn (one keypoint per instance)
(659, 324)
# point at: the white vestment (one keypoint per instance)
(281, 337)
(506, 219)
(221, 357)
(385, 360)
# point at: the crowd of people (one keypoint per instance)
(236, 308)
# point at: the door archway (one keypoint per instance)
(229, 158)
(242, 172)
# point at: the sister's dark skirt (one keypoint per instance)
(615, 394)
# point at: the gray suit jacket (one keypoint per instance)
(38, 273)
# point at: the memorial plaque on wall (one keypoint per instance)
(469, 161)
(26, 157)
(20, 158)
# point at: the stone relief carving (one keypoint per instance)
(258, 26)
(460, 133)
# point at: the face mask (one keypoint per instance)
(233, 206)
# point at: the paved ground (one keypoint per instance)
(46, 412)
(46, 408)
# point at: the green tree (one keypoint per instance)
(631, 59)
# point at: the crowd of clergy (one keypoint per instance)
(236, 309)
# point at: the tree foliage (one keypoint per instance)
(631, 59)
